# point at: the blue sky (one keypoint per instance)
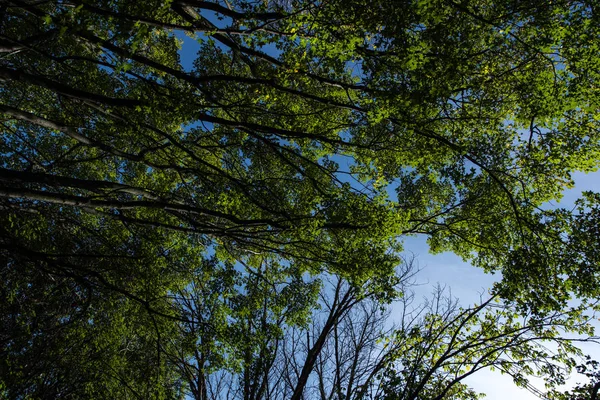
(467, 282)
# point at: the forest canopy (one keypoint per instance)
(155, 214)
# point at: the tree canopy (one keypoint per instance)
(307, 137)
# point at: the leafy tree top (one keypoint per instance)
(317, 132)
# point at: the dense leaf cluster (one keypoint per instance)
(152, 211)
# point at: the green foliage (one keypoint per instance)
(431, 358)
(581, 391)
(187, 203)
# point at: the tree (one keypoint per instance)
(582, 391)
(306, 137)
(353, 347)
(83, 311)
(474, 114)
